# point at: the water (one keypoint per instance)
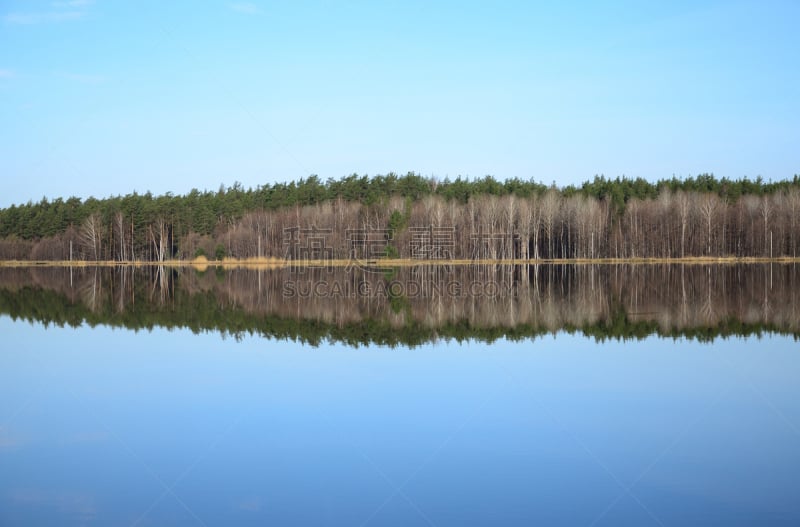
(411, 306)
(179, 425)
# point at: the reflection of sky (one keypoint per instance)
(101, 426)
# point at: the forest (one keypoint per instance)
(414, 217)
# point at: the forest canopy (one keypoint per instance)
(411, 215)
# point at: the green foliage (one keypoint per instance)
(399, 304)
(391, 252)
(202, 212)
(219, 252)
(397, 221)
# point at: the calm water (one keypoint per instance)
(105, 425)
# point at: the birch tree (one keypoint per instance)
(91, 236)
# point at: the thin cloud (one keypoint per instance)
(247, 8)
(6, 74)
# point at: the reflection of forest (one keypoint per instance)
(615, 301)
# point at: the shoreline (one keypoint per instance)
(274, 263)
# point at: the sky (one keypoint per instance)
(101, 98)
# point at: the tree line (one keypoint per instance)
(411, 216)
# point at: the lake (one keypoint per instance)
(475, 395)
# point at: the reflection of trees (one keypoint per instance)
(707, 308)
(91, 290)
(160, 289)
(121, 290)
(617, 300)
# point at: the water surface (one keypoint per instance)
(104, 425)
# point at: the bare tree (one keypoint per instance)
(709, 205)
(549, 207)
(91, 235)
(684, 204)
(119, 228)
(793, 211)
(765, 210)
(158, 236)
(664, 217)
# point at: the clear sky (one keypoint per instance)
(107, 97)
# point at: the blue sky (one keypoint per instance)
(103, 98)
